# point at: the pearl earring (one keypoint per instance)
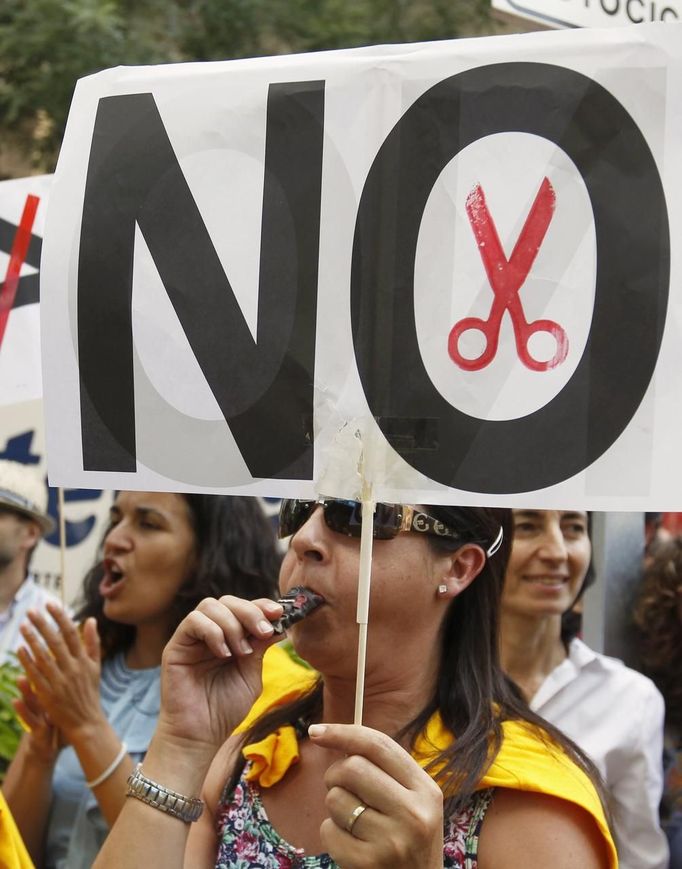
(442, 588)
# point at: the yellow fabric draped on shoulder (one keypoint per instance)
(283, 680)
(13, 853)
(528, 760)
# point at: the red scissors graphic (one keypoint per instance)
(506, 278)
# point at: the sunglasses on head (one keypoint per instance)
(345, 517)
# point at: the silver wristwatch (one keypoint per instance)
(188, 809)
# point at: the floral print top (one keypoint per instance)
(249, 841)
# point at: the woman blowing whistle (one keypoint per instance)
(449, 769)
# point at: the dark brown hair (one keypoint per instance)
(657, 618)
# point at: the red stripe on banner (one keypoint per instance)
(22, 239)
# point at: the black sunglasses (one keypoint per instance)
(345, 517)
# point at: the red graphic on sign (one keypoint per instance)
(506, 278)
(22, 239)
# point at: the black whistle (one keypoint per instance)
(298, 604)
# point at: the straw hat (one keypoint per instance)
(23, 491)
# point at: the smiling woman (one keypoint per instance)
(613, 713)
(92, 693)
(548, 564)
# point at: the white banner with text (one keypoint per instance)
(451, 269)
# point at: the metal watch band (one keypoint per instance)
(187, 809)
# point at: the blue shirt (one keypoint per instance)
(29, 595)
(76, 828)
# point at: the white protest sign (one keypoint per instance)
(23, 204)
(458, 260)
(592, 13)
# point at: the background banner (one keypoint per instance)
(592, 13)
(22, 435)
(23, 205)
(455, 265)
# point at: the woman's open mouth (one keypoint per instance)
(112, 579)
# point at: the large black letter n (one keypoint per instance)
(265, 387)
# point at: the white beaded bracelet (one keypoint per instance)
(103, 776)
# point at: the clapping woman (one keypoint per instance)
(91, 696)
(449, 769)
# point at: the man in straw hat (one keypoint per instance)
(23, 522)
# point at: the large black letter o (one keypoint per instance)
(633, 267)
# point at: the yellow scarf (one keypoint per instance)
(527, 759)
(13, 853)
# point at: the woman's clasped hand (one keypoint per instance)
(63, 669)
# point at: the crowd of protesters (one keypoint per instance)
(257, 740)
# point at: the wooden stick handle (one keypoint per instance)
(364, 580)
(62, 545)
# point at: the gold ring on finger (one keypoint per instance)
(353, 817)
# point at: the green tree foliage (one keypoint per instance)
(10, 728)
(46, 45)
(215, 29)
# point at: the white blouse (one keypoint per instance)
(615, 715)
